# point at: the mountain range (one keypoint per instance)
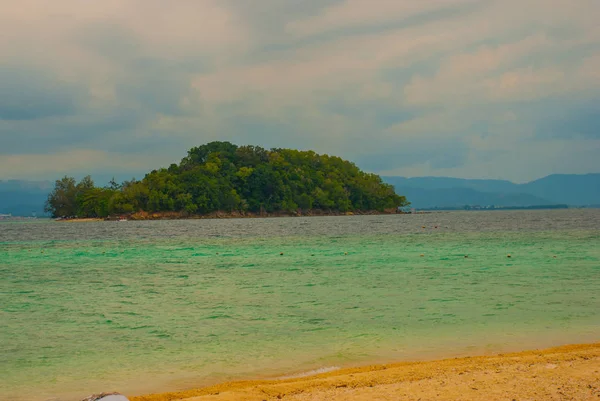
(445, 192)
(26, 198)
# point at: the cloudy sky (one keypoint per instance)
(466, 88)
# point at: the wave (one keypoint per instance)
(310, 373)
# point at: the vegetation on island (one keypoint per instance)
(223, 177)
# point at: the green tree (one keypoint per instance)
(62, 201)
(223, 176)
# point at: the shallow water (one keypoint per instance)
(155, 306)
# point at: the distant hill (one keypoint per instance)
(23, 198)
(430, 192)
(458, 197)
(453, 183)
(571, 189)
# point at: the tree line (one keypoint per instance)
(221, 176)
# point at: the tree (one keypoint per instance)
(222, 176)
(114, 185)
(62, 201)
(95, 202)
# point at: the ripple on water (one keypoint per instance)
(197, 297)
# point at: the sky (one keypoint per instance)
(505, 89)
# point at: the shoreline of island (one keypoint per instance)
(145, 216)
(568, 370)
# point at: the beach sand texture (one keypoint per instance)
(569, 372)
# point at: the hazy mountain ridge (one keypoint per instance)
(572, 189)
(459, 197)
(429, 192)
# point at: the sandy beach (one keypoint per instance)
(569, 372)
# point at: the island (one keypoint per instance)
(221, 179)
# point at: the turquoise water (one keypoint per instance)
(155, 306)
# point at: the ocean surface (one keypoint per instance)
(154, 306)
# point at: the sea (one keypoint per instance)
(155, 306)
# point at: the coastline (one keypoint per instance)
(565, 372)
(252, 215)
(143, 216)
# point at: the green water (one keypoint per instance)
(168, 306)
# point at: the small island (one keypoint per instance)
(221, 179)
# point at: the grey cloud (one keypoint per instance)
(278, 89)
(269, 10)
(153, 83)
(110, 39)
(159, 85)
(44, 115)
(252, 130)
(147, 141)
(549, 57)
(271, 16)
(571, 121)
(29, 94)
(273, 47)
(439, 154)
(379, 114)
(75, 132)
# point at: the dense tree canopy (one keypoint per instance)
(221, 176)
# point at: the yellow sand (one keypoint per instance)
(565, 373)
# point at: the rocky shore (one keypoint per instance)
(238, 214)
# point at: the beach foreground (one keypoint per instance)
(569, 372)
